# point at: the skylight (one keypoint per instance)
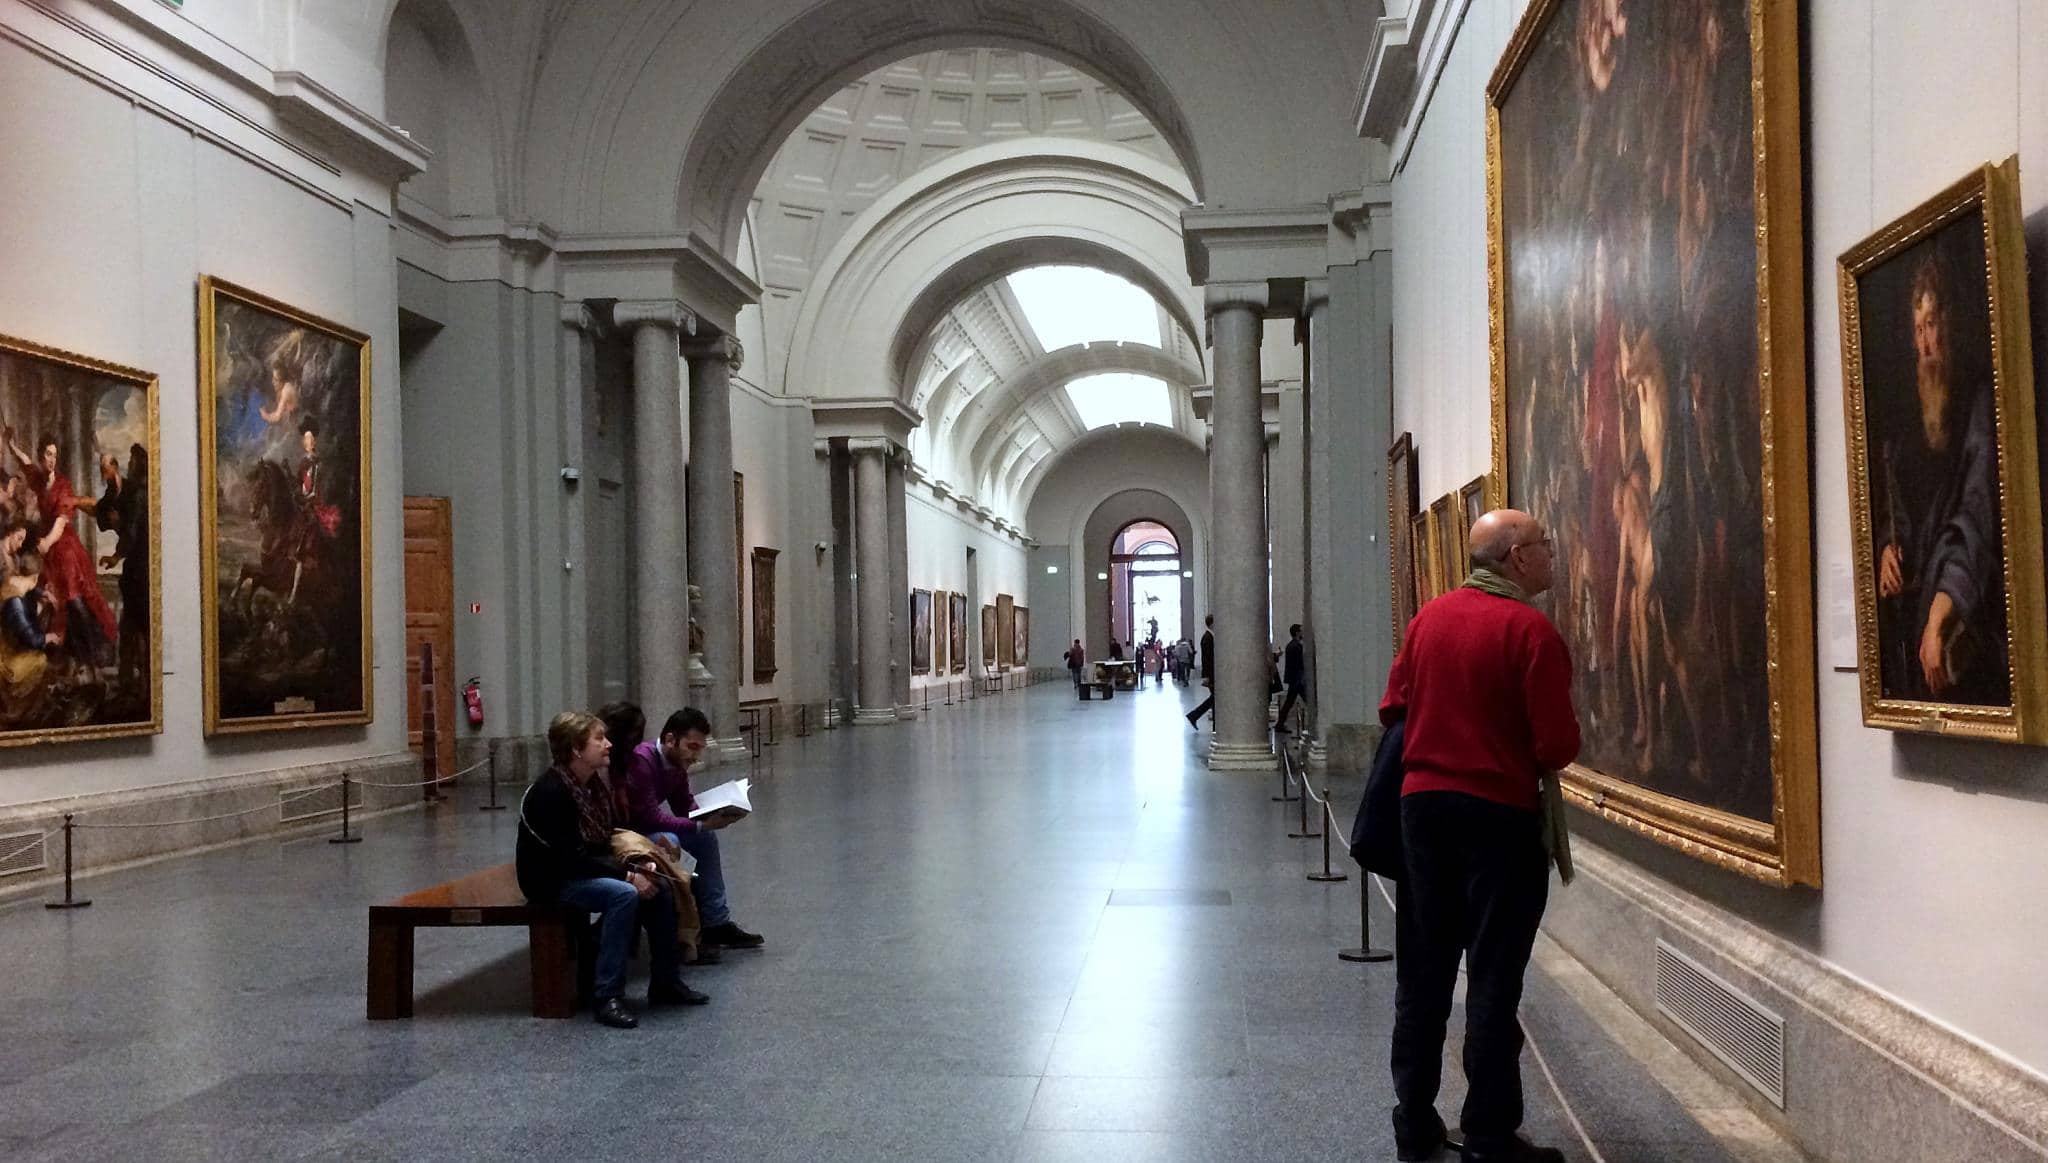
(1120, 398)
(1069, 305)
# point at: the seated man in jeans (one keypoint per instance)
(565, 855)
(658, 797)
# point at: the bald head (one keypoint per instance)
(1497, 536)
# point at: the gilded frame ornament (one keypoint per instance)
(212, 292)
(1991, 192)
(147, 384)
(1403, 499)
(1784, 847)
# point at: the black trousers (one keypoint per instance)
(1475, 885)
(1294, 694)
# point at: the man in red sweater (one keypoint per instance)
(1484, 682)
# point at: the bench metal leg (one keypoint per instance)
(554, 969)
(389, 986)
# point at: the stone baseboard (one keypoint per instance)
(1348, 746)
(1865, 1077)
(175, 819)
(1242, 757)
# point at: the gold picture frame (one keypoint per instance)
(1664, 221)
(1472, 500)
(1422, 558)
(258, 413)
(39, 703)
(1447, 540)
(942, 606)
(1403, 500)
(763, 612)
(1954, 270)
(956, 626)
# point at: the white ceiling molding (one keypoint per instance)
(1409, 49)
(1014, 200)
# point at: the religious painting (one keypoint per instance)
(956, 625)
(763, 611)
(940, 640)
(1472, 502)
(1403, 500)
(1006, 630)
(1944, 487)
(1422, 562)
(920, 631)
(284, 493)
(1021, 651)
(1649, 406)
(1447, 535)
(988, 635)
(81, 625)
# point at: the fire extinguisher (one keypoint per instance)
(473, 700)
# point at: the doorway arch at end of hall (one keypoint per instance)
(1145, 583)
(1103, 521)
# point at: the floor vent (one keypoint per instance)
(1740, 1032)
(310, 803)
(24, 852)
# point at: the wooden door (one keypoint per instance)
(430, 619)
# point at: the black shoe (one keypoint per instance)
(613, 1012)
(1516, 1150)
(676, 993)
(1426, 1143)
(731, 936)
(707, 953)
(1193, 722)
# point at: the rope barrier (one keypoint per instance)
(451, 776)
(199, 819)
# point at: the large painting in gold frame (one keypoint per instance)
(1944, 485)
(1645, 279)
(1403, 499)
(956, 625)
(81, 641)
(284, 499)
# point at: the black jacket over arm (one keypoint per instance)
(552, 851)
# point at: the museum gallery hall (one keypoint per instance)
(997, 580)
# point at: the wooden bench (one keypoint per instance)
(487, 898)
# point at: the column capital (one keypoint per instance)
(873, 446)
(717, 347)
(1252, 296)
(665, 313)
(577, 316)
(822, 449)
(1315, 294)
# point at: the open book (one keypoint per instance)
(723, 804)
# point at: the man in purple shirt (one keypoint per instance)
(659, 800)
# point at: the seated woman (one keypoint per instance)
(659, 799)
(565, 855)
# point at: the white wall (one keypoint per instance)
(1936, 877)
(939, 537)
(137, 188)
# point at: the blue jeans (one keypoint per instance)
(619, 908)
(707, 884)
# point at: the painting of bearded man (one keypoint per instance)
(1928, 396)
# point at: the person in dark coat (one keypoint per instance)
(1208, 706)
(1293, 673)
(564, 855)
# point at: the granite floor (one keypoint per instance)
(1023, 928)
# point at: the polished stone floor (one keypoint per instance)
(1024, 928)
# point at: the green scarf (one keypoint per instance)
(1496, 584)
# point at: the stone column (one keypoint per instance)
(877, 629)
(579, 329)
(845, 687)
(713, 537)
(1310, 332)
(660, 534)
(899, 582)
(1237, 505)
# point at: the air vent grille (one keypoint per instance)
(24, 852)
(309, 803)
(1730, 1023)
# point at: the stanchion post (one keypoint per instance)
(430, 731)
(1327, 875)
(1287, 761)
(344, 838)
(490, 766)
(1364, 951)
(1283, 797)
(69, 901)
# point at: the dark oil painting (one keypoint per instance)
(282, 473)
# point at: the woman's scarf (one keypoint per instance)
(593, 808)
